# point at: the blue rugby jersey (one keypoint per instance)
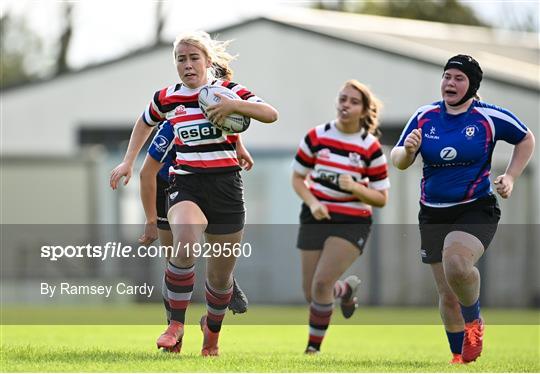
(457, 149)
(162, 149)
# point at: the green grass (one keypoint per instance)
(267, 348)
(152, 314)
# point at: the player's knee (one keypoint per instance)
(322, 286)
(218, 280)
(188, 234)
(456, 268)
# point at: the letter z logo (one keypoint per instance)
(448, 153)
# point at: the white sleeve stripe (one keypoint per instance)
(418, 115)
(405, 129)
(300, 169)
(380, 185)
(503, 116)
(304, 147)
(171, 145)
(379, 161)
(148, 119)
(255, 99)
(156, 109)
(489, 120)
(426, 108)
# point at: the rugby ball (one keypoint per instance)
(234, 123)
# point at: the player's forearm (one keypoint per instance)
(148, 199)
(139, 135)
(370, 196)
(401, 158)
(299, 186)
(240, 144)
(148, 188)
(260, 111)
(521, 155)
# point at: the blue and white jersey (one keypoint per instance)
(162, 149)
(457, 149)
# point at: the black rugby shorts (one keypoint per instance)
(479, 218)
(220, 196)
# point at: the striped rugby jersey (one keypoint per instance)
(200, 147)
(457, 148)
(326, 152)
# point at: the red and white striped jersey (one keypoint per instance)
(326, 153)
(200, 147)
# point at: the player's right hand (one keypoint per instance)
(122, 170)
(413, 141)
(319, 211)
(150, 234)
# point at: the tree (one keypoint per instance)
(65, 39)
(17, 43)
(160, 22)
(447, 11)
(519, 19)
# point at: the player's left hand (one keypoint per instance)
(218, 112)
(504, 185)
(150, 234)
(244, 158)
(346, 182)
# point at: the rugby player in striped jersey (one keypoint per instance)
(206, 194)
(340, 173)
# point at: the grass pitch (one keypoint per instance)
(262, 348)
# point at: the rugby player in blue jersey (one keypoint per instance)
(459, 213)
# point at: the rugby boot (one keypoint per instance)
(472, 341)
(171, 339)
(210, 341)
(311, 350)
(349, 304)
(456, 359)
(239, 301)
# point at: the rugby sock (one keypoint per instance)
(217, 302)
(179, 282)
(470, 313)
(166, 300)
(455, 339)
(342, 289)
(319, 319)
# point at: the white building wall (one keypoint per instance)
(297, 72)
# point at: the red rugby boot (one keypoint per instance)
(456, 359)
(171, 339)
(472, 341)
(210, 342)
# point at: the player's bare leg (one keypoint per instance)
(461, 252)
(450, 312)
